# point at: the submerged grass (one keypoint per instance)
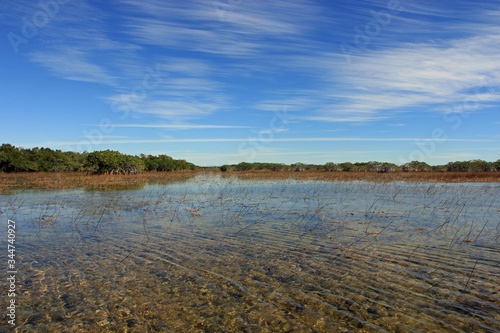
(71, 180)
(218, 254)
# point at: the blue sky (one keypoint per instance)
(225, 81)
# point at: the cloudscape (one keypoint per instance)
(225, 81)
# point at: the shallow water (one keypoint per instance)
(223, 255)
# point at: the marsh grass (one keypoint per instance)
(83, 180)
(431, 176)
(276, 252)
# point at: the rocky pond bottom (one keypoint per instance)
(215, 255)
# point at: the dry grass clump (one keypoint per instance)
(430, 176)
(70, 180)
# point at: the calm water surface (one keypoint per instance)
(223, 255)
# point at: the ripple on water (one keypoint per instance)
(280, 259)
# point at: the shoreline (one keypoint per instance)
(80, 179)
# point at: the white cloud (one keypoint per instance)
(393, 76)
(177, 110)
(205, 140)
(271, 40)
(422, 76)
(100, 137)
(72, 65)
(181, 126)
(454, 156)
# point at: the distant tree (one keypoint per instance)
(16, 159)
(243, 166)
(376, 166)
(107, 161)
(387, 167)
(110, 161)
(298, 166)
(8, 154)
(347, 166)
(439, 168)
(472, 165)
(416, 166)
(131, 164)
(312, 167)
(362, 166)
(165, 163)
(183, 165)
(330, 166)
(75, 161)
(150, 162)
(277, 166)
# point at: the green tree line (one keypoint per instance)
(469, 166)
(14, 159)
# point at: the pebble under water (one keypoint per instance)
(225, 255)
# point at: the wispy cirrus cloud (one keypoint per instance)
(424, 77)
(74, 43)
(252, 30)
(444, 64)
(81, 45)
(181, 126)
(317, 139)
(71, 64)
(394, 77)
(176, 110)
(276, 55)
(454, 156)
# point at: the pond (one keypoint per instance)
(226, 255)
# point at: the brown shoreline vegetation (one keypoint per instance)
(83, 180)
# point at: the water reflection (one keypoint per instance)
(214, 255)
